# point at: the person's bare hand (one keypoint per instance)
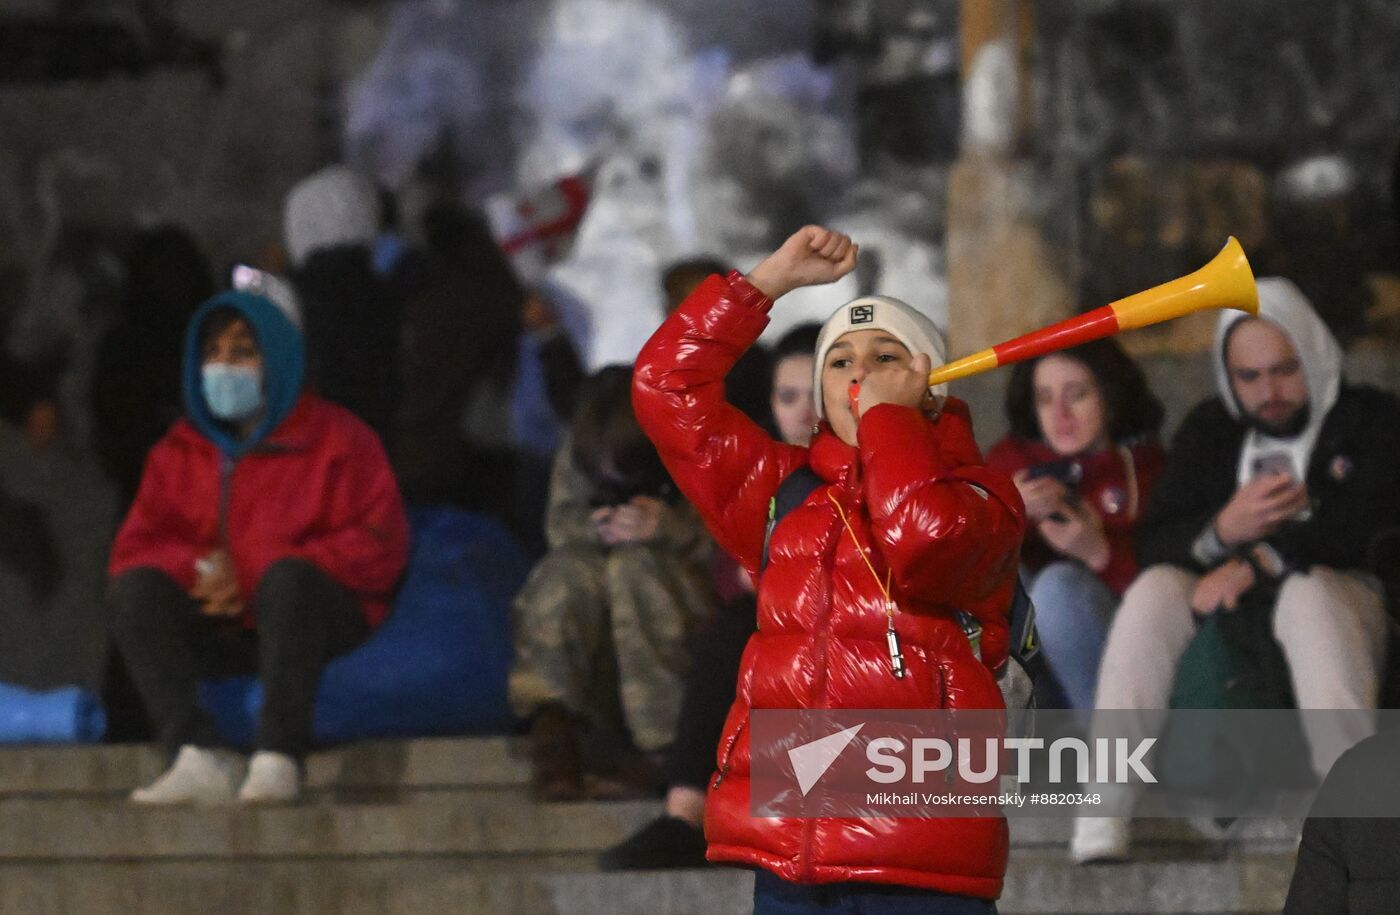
(906, 385)
(1080, 535)
(224, 609)
(1042, 496)
(635, 522)
(744, 580)
(600, 517)
(536, 313)
(216, 586)
(1222, 588)
(810, 257)
(1259, 507)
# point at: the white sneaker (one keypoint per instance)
(198, 776)
(1099, 839)
(273, 778)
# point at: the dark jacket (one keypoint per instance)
(1353, 480)
(1346, 866)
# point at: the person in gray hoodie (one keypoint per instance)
(1278, 490)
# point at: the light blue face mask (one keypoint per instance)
(232, 392)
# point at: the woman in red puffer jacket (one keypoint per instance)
(898, 462)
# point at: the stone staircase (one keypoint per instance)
(433, 826)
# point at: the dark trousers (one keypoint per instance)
(709, 692)
(774, 896)
(304, 619)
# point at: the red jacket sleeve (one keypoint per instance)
(363, 542)
(949, 529)
(160, 531)
(725, 464)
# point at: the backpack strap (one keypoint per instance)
(1025, 640)
(792, 492)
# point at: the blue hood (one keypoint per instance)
(284, 364)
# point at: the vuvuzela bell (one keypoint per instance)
(1225, 282)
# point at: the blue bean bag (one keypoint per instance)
(65, 715)
(437, 665)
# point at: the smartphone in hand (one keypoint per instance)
(1276, 463)
(1068, 471)
(1271, 463)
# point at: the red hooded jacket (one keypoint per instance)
(318, 488)
(944, 528)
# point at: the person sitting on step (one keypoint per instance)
(677, 838)
(267, 535)
(604, 621)
(1084, 454)
(1272, 498)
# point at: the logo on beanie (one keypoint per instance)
(862, 314)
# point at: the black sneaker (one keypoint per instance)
(665, 842)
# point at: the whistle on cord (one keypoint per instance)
(896, 656)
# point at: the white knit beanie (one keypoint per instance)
(336, 206)
(899, 319)
(270, 286)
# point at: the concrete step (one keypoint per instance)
(445, 826)
(1045, 883)
(455, 824)
(1038, 884)
(481, 762)
(1172, 836)
(449, 822)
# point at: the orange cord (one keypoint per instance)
(883, 586)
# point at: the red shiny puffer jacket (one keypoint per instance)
(945, 528)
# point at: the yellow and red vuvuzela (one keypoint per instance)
(1225, 282)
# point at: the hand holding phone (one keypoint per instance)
(1258, 508)
(216, 585)
(1043, 493)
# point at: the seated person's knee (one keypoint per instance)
(631, 559)
(1064, 574)
(289, 572)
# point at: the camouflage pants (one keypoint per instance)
(605, 632)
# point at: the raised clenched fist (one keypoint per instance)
(810, 257)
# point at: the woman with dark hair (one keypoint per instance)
(603, 624)
(1083, 452)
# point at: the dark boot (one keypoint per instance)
(665, 842)
(634, 775)
(556, 755)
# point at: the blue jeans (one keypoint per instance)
(1072, 611)
(773, 895)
